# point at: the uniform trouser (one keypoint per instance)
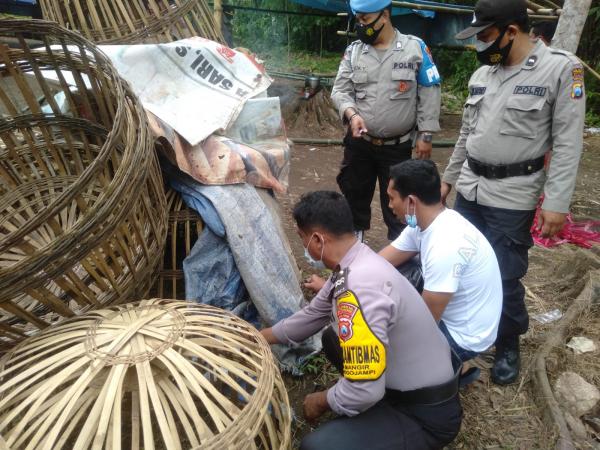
(387, 424)
(364, 164)
(508, 231)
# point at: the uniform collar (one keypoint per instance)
(398, 44)
(350, 255)
(532, 60)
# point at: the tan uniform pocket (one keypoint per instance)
(522, 116)
(471, 113)
(360, 80)
(403, 84)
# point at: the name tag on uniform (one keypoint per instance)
(530, 90)
(404, 65)
(477, 90)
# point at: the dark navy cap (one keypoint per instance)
(493, 12)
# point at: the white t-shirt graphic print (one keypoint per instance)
(458, 259)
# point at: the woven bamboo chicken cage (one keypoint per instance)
(154, 374)
(82, 206)
(134, 21)
(185, 225)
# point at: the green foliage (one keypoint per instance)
(268, 33)
(302, 62)
(315, 364)
(592, 90)
(456, 68)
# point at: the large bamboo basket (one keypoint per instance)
(82, 206)
(134, 21)
(185, 225)
(154, 374)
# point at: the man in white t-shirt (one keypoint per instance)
(463, 287)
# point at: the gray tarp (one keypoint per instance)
(261, 255)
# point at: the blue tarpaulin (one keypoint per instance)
(342, 6)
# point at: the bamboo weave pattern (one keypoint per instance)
(82, 206)
(154, 374)
(134, 21)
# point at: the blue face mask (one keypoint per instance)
(319, 265)
(411, 219)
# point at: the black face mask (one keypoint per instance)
(491, 54)
(367, 33)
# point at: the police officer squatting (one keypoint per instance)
(403, 350)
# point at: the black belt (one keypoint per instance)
(394, 140)
(426, 396)
(432, 395)
(504, 171)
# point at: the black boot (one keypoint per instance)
(506, 362)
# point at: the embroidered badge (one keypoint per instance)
(495, 58)
(345, 314)
(577, 74)
(577, 91)
(403, 86)
(363, 353)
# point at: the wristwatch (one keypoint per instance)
(426, 137)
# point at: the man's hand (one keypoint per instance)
(550, 222)
(269, 336)
(315, 405)
(423, 149)
(314, 283)
(445, 190)
(357, 126)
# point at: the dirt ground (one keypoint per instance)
(495, 417)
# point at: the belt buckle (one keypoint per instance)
(377, 141)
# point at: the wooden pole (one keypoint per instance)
(218, 13)
(570, 25)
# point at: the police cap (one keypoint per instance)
(494, 12)
(368, 6)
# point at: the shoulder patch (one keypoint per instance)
(428, 73)
(363, 353)
(577, 90)
(340, 282)
(577, 73)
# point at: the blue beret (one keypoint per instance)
(368, 6)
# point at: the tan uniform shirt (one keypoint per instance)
(411, 351)
(517, 115)
(392, 93)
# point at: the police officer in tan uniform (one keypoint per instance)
(399, 388)
(388, 93)
(526, 99)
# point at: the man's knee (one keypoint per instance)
(320, 439)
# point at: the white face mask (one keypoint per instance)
(319, 265)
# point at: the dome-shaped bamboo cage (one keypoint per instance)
(154, 374)
(134, 21)
(82, 205)
(184, 228)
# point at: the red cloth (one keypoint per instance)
(583, 234)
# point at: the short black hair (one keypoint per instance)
(418, 177)
(327, 210)
(522, 22)
(545, 30)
